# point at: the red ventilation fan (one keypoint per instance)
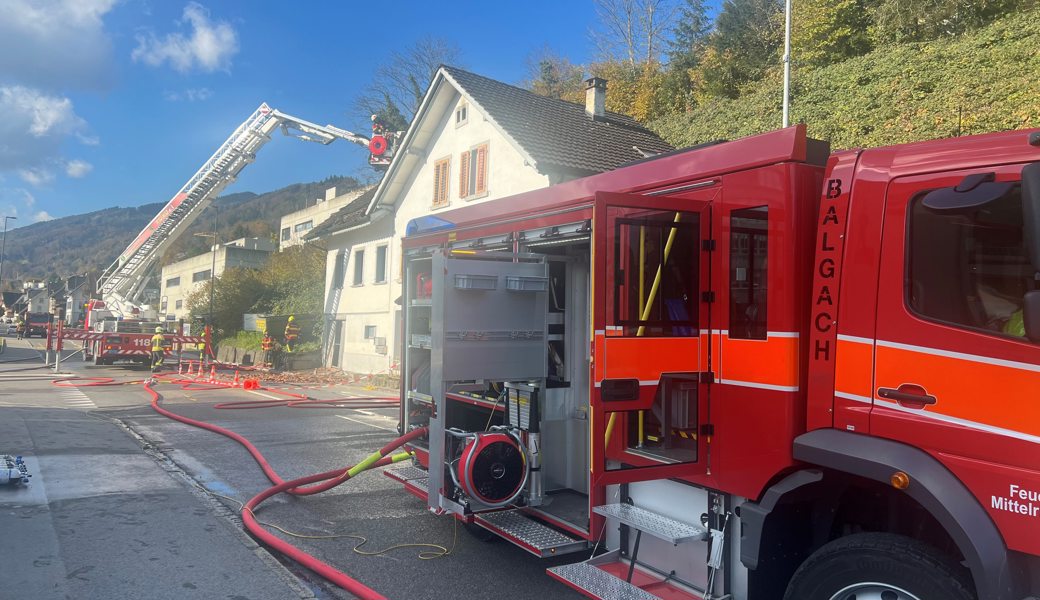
(378, 145)
(493, 469)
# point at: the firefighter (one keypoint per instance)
(157, 350)
(267, 345)
(292, 334)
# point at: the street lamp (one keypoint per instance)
(3, 246)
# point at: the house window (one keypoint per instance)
(381, 264)
(173, 282)
(178, 304)
(441, 172)
(370, 332)
(473, 172)
(286, 234)
(302, 227)
(461, 115)
(338, 270)
(201, 276)
(359, 267)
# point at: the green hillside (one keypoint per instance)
(981, 81)
(88, 243)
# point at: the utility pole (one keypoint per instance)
(787, 63)
(3, 246)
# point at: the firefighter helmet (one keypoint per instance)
(158, 330)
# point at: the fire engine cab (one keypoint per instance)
(749, 370)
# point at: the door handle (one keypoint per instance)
(909, 393)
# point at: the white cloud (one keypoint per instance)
(28, 198)
(78, 168)
(189, 95)
(36, 176)
(208, 47)
(56, 43)
(34, 127)
(42, 216)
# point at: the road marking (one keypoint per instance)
(368, 424)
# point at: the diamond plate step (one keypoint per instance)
(597, 583)
(659, 526)
(406, 473)
(534, 536)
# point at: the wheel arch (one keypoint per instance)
(933, 487)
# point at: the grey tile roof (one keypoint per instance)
(350, 215)
(559, 134)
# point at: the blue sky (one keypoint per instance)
(117, 102)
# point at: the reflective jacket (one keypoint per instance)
(157, 343)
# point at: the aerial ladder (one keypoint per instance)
(122, 284)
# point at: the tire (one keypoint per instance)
(879, 566)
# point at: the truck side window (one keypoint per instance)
(656, 274)
(969, 268)
(748, 287)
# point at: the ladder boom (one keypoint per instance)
(123, 281)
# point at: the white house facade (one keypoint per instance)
(456, 152)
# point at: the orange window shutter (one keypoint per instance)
(464, 174)
(482, 152)
(437, 183)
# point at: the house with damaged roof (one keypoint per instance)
(472, 140)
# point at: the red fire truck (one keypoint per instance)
(748, 370)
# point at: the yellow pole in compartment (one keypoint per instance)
(657, 279)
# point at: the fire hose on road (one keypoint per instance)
(303, 486)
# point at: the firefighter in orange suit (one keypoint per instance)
(158, 354)
(267, 345)
(292, 334)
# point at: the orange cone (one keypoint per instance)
(213, 373)
(236, 379)
(180, 368)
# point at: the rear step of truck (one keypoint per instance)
(530, 534)
(415, 480)
(613, 577)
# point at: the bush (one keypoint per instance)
(247, 340)
(979, 82)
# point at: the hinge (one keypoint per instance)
(708, 245)
(708, 296)
(707, 429)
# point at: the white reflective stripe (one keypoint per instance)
(962, 422)
(851, 338)
(641, 381)
(854, 397)
(764, 386)
(599, 332)
(720, 331)
(962, 356)
(781, 334)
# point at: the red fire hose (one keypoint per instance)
(303, 486)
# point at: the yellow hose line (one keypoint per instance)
(400, 456)
(365, 464)
(610, 429)
(657, 278)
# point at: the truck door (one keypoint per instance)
(650, 356)
(954, 373)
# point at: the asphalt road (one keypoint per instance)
(127, 503)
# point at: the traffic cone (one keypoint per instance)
(213, 373)
(180, 368)
(236, 378)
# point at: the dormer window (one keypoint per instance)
(461, 114)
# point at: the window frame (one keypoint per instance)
(380, 275)
(730, 325)
(286, 234)
(196, 279)
(373, 330)
(463, 108)
(176, 281)
(358, 278)
(469, 186)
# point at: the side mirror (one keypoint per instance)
(1031, 315)
(1031, 213)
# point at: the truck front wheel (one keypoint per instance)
(879, 566)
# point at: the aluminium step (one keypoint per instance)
(597, 583)
(534, 536)
(657, 525)
(406, 473)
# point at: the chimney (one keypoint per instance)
(595, 96)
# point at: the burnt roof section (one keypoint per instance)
(556, 133)
(350, 215)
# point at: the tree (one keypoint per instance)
(235, 293)
(747, 40)
(632, 30)
(829, 31)
(689, 34)
(400, 82)
(295, 281)
(920, 20)
(553, 75)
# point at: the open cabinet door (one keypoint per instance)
(651, 355)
